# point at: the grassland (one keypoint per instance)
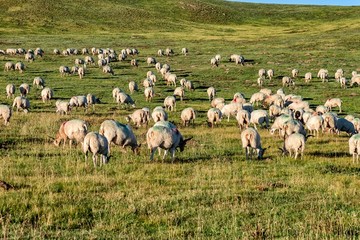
(210, 191)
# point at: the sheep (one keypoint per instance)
(74, 69)
(294, 143)
(270, 73)
(159, 114)
(160, 52)
(9, 66)
(133, 87)
(11, 51)
(147, 83)
(356, 123)
(279, 122)
(92, 100)
(5, 113)
(185, 51)
(115, 93)
(81, 72)
(119, 134)
(214, 62)
(64, 70)
(102, 63)
(139, 117)
(24, 89)
(339, 74)
(170, 103)
(292, 126)
(260, 81)
(294, 73)
(169, 52)
(308, 77)
(259, 117)
(150, 60)
(74, 129)
(211, 92)
(189, 85)
(29, 57)
(230, 109)
(239, 98)
(217, 102)
(274, 111)
(188, 115)
(152, 77)
(321, 109)
(342, 81)
(78, 101)
(243, 118)
(21, 103)
(346, 126)
(84, 51)
(218, 57)
(333, 102)
(158, 66)
(170, 79)
(257, 97)
(251, 140)
(20, 67)
(262, 73)
(96, 144)
(323, 74)
(238, 59)
(179, 91)
(355, 79)
(354, 147)
(287, 81)
(329, 122)
(165, 138)
(39, 82)
(314, 124)
(89, 60)
(62, 107)
(149, 93)
(10, 90)
(47, 94)
(39, 52)
(108, 69)
(79, 61)
(123, 98)
(248, 107)
(214, 116)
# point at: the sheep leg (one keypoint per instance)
(165, 152)
(94, 159)
(246, 153)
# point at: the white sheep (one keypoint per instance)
(259, 117)
(170, 103)
(323, 74)
(74, 129)
(89, 60)
(188, 115)
(115, 92)
(214, 62)
(64, 70)
(20, 66)
(10, 90)
(270, 73)
(160, 52)
(47, 94)
(294, 73)
(314, 124)
(274, 111)
(354, 147)
(39, 82)
(5, 113)
(243, 118)
(170, 79)
(260, 81)
(78, 101)
(169, 52)
(292, 126)
(342, 81)
(257, 97)
(339, 74)
(329, 122)
(139, 117)
(150, 60)
(321, 109)
(189, 85)
(148, 83)
(211, 92)
(9, 66)
(295, 143)
(308, 77)
(185, 51)
(108, 69)
(158, 66)
(287, 81)
(96, 144)
(123, 98)
(149, 93)
(251, 140)
(133, 87)
(230, 110)
(262, 73)
(62, 107)
(159, 114)
(333, 102)
(119, 134)
(21, 103)
(29, 57)
(92, 100)
(81, 72)
(355, 79)
(279, 122)
(214, 116)
(179, 91)
(217, 102)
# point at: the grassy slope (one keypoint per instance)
(211, 191)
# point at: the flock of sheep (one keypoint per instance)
(292, 116)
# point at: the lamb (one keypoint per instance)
(211, 92)
(62, 107)
(251, 140)
(47, 94)
(123, 98)
(294, 143)
(24, 89)
(64, 70)
(19, 66)
(188, 115)
(119, 134)
(139, 117)
(78, 101)
(165, 138)
(96, 144)
(308, 77)
(9, 66)
(259, 117)
(214, 116)
(133, 87)
(149, 93)
(5, 113)
(74, 129)
(294, 73)
(39, 82)
(314, 124)
(354, 147)
(230, 109)
(346, 126)
(179, 91)
(170, 103)
(270, 73)
(10, 90)
(243, 118)
(159, 114)
(333, 102)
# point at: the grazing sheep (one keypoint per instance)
(239, 98)
(214, 62)
(92, 100)
(323, 74)
(89, 60)
(214, 116)
(292, 126)
(257, 97)
(5, 113)
(39, 82)
(169, 52)
(123, 98)
(160, 52)
(179, 91)
(165, 138)
(10, 90)
(294, 73)
(270, 73)
(279, 122)
(262, 73)
(79, 61)
(251, 140)
(81, 72)
(56, 51)
(355, 79)
(47, 94)
(314, 124)
(134, 62)
(74, 69)
(170, 79)
(333, 102)
(108, 69)
(287, 81)
(217, 102)
(29, 57)
(189, 85)
(308, 77)
(188, 115)
(259, 117)
(62, 107)
(139, 117)
(9, 66)
(238, 59)
(150, 60)
(158, 66)
(170, 103)
(339, 74)
(159, 114)
(185, 51)
(329, 122)
(342, 81)
(64, 70)
(115, 93)
(243, 118)
(218, 57)
(260, 81)
(230, 110)
(274, 111)
(24, 89)
(354, 147)
(148, 83)
(149, 93)
(211, 92)
(133, 87)
(119, 134)
(78, 101)
(343, 125)
(19, 66)
(96, 144)
(294, 143)
(74, 129)
(321, 109)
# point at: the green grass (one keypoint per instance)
(210, 190)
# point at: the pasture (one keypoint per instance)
(210, 190)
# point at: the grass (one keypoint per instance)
(210, 190)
